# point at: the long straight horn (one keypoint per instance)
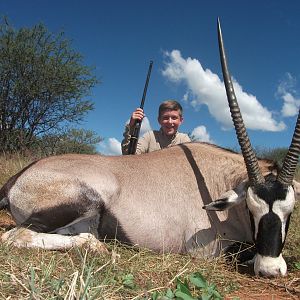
(287, 172)
(250, 159)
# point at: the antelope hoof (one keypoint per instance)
(92, 243)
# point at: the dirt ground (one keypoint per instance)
(268, 289)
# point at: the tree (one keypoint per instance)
(43, 85)
(68, 141)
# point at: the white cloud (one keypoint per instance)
(200, 134)
(111, 146)
(290, 106)
(205, 87)
(145, 126)
(286, 90)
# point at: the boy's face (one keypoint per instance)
(169, 121)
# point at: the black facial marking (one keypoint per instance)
(271, 190)
(269, 235)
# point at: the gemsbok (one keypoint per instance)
(156, 200)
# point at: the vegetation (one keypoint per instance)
(43, 85)
(71, 141)
(184, 290)
(127, 273)
(276, 154)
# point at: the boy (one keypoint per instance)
(169, 118)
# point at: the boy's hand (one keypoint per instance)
(137, 115)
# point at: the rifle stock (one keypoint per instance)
(137, 127)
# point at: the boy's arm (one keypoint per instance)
(126, 140)
(137, 115)
(142, 144)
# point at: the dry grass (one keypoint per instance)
(80, 274)
(128, 272)
(10, 164)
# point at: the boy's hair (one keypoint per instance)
(169, 105)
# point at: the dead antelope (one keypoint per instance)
(156, 200)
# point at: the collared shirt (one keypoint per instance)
(153, 140)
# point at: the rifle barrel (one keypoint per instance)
(146, 84)
(135, 135)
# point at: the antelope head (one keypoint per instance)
(270, 199)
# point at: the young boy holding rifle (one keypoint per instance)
(169, 117)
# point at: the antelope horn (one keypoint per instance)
(287, 172)
(254, 174)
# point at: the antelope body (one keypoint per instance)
(158, 206)
(156, 200)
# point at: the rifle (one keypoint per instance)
(137, 125)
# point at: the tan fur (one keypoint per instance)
(156, 198)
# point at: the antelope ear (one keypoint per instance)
(228, 199)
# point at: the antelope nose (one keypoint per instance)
(270, 266)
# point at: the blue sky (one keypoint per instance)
(119, 38)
